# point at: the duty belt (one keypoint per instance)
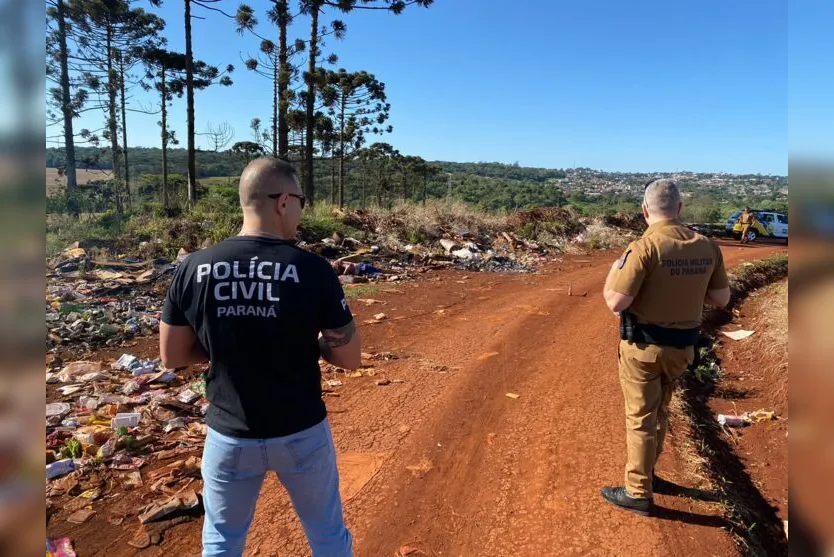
(646, 333)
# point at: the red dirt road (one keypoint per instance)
(466, 470)
(446, 463)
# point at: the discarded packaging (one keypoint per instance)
(59, 547)
(737, 335)
(59, 468)
(761, 415)
(187, 396)
(176, 423)
(732, 421)
(126, 362)
(81, 516)
(126, 420)
(57, 409)
(161, 509)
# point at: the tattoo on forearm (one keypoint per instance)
(334, 338)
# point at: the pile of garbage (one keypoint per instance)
(100, 302)
(131, 425)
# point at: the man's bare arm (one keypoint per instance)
(341, 347)
(718, 297)
(179, 347)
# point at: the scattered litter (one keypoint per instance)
(133, 480)
(126, 420)
(176, 423)
(60, 409)
(486, 356)
(747, 418)
(382, 382)
(380, 317)
(160, 509)
(187, 396)
(761, 415)
(76, 369)
(81, 516)
(737, 335)
(732, 421)
(333, 383)
(59, 468)
(513, 395)
(59, 547)
(125, 363)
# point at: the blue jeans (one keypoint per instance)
(305, 462)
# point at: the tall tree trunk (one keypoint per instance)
(189, 101)
(364, 178)
(302, 168)
(425, 181)
(66, 109)
(112, 123)
(309, 180)
(342, 154)
(275, 109)
(166, 200)
(332, 180)
(283, 79)
(124, 125)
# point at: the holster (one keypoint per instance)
(646, 333)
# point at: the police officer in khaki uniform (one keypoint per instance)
(746, 219)
(658, 288)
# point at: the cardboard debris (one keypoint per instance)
(160, 509)
(81, 516)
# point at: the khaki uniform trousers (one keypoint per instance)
(648, 374)
(745, 230)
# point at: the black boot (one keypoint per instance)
(619, 497)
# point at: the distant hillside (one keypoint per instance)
(489, 185)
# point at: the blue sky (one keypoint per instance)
(811, 80)
(634, 86)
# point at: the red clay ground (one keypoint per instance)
(756, 377)
(445, 462)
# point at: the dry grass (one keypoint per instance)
(414, 223)
(56, 183)
(599, 235)
(770, 322)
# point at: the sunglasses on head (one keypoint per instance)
(301, 199)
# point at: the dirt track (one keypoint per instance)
(446, 463)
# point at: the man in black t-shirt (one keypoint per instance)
(263, 311)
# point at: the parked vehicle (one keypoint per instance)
(769, 224)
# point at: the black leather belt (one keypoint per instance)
(646, 333)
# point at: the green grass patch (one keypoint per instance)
(361, 290)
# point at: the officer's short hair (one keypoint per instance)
(662, 197)
(262, 177)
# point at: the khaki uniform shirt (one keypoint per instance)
(668, 271)
(746, 219)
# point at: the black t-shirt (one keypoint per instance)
(257, 306)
